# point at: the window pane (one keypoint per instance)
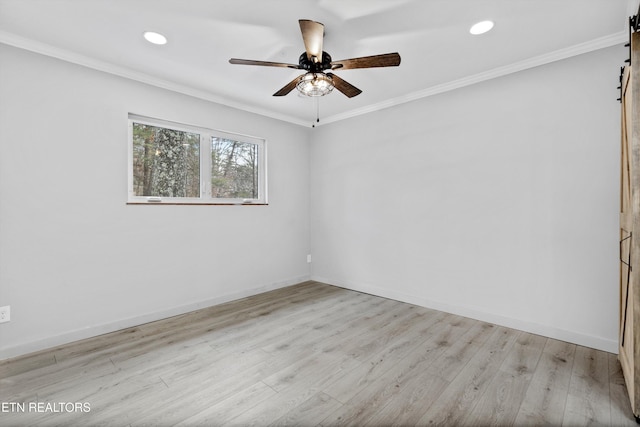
(234, 169)
(166, 162)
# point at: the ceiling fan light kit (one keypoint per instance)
(315, 82)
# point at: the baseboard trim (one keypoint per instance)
(105, 328)
(573, 337)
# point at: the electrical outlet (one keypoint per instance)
(309, 258)
(5, 313)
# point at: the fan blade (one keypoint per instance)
(344, 86)
(384, 60)
(287, 88)
(312, 35)
(263, 63)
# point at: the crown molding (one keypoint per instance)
(65, 55)
(127, 73)
(547, 58)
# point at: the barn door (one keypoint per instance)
(626, 232)
(629, 338)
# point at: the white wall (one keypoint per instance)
(497, 201)
(75, 260)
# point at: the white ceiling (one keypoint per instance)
(432, 37)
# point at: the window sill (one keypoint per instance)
(197, 204)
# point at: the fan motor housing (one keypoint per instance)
(315, 67)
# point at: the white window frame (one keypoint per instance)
(205, 165)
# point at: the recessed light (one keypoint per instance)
(155, 38)
(481, 27)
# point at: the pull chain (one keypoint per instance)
(317, 112)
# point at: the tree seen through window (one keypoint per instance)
(166, 162)
(234, 169)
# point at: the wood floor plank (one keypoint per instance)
(227, 365)
(302, 370)
(589, 384)
(464, 392)
(410, 403)
(384, 334)
(211, 412)
(271, 312)
(362, 383)
(460, 351)
(207, 323)
(621, 413)
(314, 408)
(53, 378)
(368, 400)
(282, 330)
(332, 327)
(292, 398)
(210, 317)
(378, 363)
(107, 393)
(182, 400)
(545, 399)
(314, 354)
(359, 323)
(499, 404)
(18, 365)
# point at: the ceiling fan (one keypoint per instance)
(315, 82)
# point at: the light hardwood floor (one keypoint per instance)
(317, 355)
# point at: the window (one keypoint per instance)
(173, 163)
